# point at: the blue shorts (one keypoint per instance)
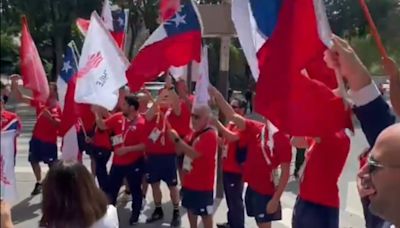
(162, 168)
(198, 202)
(40, 151)
(256, 206)
(307, 214)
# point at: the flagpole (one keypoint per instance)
(126, 11)
(75, 53)
(374, 30)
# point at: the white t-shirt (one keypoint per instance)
(109, 220)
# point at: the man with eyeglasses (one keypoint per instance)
(268, 148)
(380, 176)
(234, 144)
(199, 166)
(370, 107)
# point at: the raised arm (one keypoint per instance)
(370, 108)
(17, 93)
(228, 135)
(227, 110)
(175, 102)
(100, 122)
(153, 110)
(54, 121)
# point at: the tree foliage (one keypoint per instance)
(50, 23)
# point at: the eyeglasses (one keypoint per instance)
(374, 165)
(235, 106)
(195, 116)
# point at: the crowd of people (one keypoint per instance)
(176, 141)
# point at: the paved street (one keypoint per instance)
(26, 212)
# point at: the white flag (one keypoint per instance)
(7, 175)
(106, 14)
(102, 67)
(201, 93)
(182, 72)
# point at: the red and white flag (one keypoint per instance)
(283, 39)
(176, 42)
(102, 67)
(116, 22)
(32, 71)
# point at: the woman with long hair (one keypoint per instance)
(71, 199)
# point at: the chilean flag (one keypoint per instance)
(284, 41)
(32, 70)
(168, 9)
(66, 86)
(119, 27)
(175, 43)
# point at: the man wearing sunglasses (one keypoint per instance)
(234, 143)
(267, 149)
(199, 166)
(380, 176)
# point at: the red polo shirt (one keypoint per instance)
(88, 119)
(163, 144)
(101, 139)
(44, 130)
(324, 165)
(202, 175)
(132, 133)
(181, 123)
(230, 163)
(256, 171)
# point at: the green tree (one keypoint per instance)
(50, 23)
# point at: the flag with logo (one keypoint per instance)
(32, 70)
(9, 132)
(102, 67)
(282, 41)
(176, 42)
(67, 127)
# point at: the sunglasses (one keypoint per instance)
(195, 116)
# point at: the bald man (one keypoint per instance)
(199, 165)
(380, 177)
